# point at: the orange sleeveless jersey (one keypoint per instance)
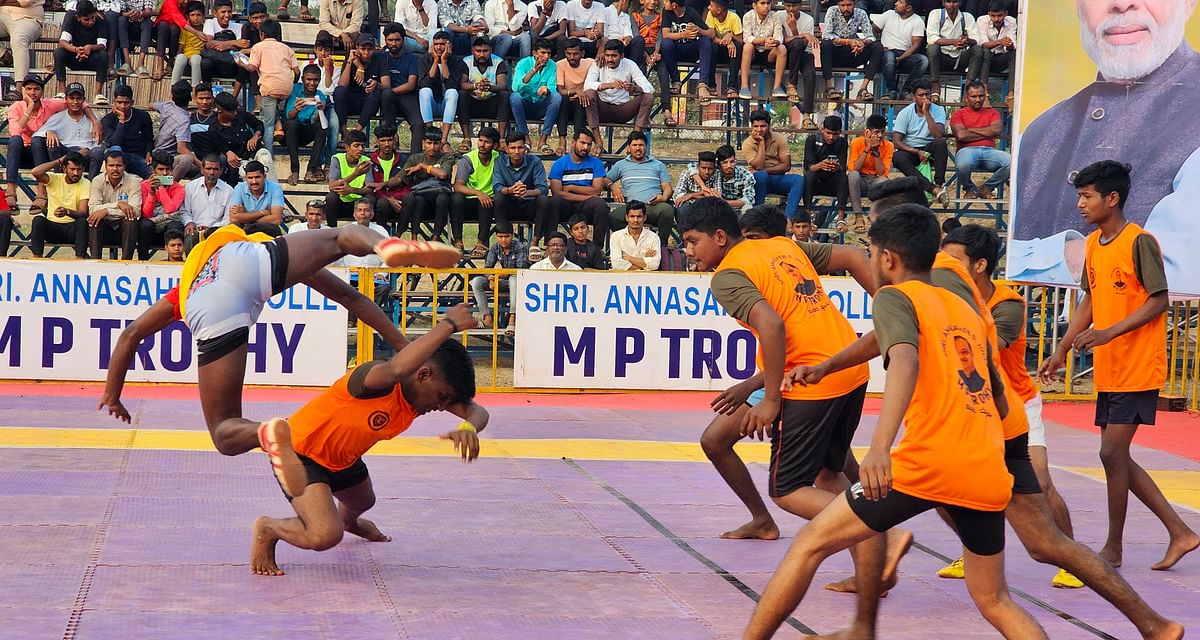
(952, 450)
(1136, 361)
(1016, 422)
(815, 328)
(1012, 358)
(335, 428)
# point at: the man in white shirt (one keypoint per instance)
(585, 20)
(205, 202)
(618, 91)
(950, 42)
(70, 129)
(618, 25)
(997, 36)
(420, 18)
(548, 19)
(364, 214)
(507, 22)
(800, 39)
(901, 34)
(633, 248)
(314, 217)
(556, 255)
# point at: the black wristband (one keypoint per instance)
(453, 324)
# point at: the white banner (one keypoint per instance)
(59, 320)
(615, 330)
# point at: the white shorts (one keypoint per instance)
(1037, 428)
(230, 290)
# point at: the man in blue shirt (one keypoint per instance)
(399, 86)
(302, 124)
(256, 204)
(535, 92)
(520, 193)
(644, 179)
(576, 182)
(920, 136)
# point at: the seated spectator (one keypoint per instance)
(68, 130)
(619, 26)
(162, 208)
(799, 37)
(331, 76)
(766, 221)
(506, 21)
(65, 220)
(347, 178)
(519, 186)
(648, 23)
(236, 135)
(173, 245)
(642, 178)
(548, 20)
(848, 40)
(225, 37)
(135, 21)
(736, 183)
(556, 255)
(484, 90)
(506, 253)
(698, 180)
(399, 85)
(359, 89)
(114, 208)
(201, 119)
(463, 21)
(174, 137)
(576, 182)
(950, 44)
(275, 64)
(633, 248)
(83, 46)
(129, 130)
(580, 250)
(364, 214)
(314, 217)
(441, 73)
(20, 28)
(474, 186)
(570, 76)
(419, 18)
(801, 228)
(997, 37)
(980, 7)
(870, 162)
(341, 20)
(684, 37)
(256, 205)
(825, 162)
(617, 92)
(25, 118)
(762, 35)
(167, 24)
(920, 136)
(535, 93)
(205, 202)
(770, 159)
(585, 21)
(976, 128)
(950, 224)
(190, 45)
(386, 166)
(304, 123)
(426, 176)
(901, 35)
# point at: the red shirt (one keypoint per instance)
(972, 119)
(173, 297)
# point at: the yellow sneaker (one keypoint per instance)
(954, 570)
(1064, 580)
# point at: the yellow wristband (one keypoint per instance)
(466, 426)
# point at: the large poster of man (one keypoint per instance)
(1107, 80)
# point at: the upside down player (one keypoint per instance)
(376, 401)
(226, 280)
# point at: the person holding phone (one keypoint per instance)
(825, 169)
(162, 204)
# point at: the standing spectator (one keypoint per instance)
(65, 220)
(920, 136)
(359, 90)
(633, 248)
(769, 157)
(71, 129)
(474, 186)
(535, 93)
(848, 40)
(617, 92)
(399, 85)
(698, 180)
(256, 204)
(237, 136)
(419, 19)
(441, 73)
(799, 37)
(205, 202)
(726, 29)
(463, 21)
(506, 253)
(386, 168)
(225, 37)
(347, 178)
(114, 208)
(902, 33)
(83, 47)
(20, 27)
(427, 177)
(580, 250)
(763, 33)
(304, 123)
(585, 20)
(519, 185)
(576, 182)
(130, 130)
(331, 76)
(174, 138)
(684, 37)
(997, 36)
(737, 185)
(135, 20)
(190, 45)
(570, 76)
(556, 255)
(506, 21)
(275, 64)
(642, 178)
(24, 119)
(825, 162)
(976, 128)
(484, 90)
(950, 43)
(548, 20)
(619, 26)
(341, 20)
(870, 162)
(162, 207)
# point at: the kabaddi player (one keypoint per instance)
(376, 401)
(226, 280)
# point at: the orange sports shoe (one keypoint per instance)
(396, 252)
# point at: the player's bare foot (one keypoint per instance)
(1169, 631)
(1113, 558)
(275, 438)
(849, 585)
(899, 541)
(262, 549)
(754, 530)
(1178, 548)
(366, 529)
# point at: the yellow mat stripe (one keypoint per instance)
(1180, 487)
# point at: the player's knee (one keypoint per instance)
(1111, 456)
(227, 446)
(990, 602)
(325, 538)
(713, 443)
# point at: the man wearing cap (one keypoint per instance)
(114, 208)
(484, 89)
(128, 129)
(71, 129)
(359, 89)
(20, 27)
(83, 47)
(24, 119)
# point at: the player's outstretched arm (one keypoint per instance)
(155, 319)
(411, 358)
(855, 262)
(471, 412)
(361, 306)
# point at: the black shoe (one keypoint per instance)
(6, 60)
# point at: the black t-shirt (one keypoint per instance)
(82, 36)
(135, 135)
(815, 150)
(678, 23)
(377, 66)
(587, 255)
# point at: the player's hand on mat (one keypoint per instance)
(461, 316)
(115, 408)
(803, 375)
(466, 442)
(1092, 338)
(761, 417)
(875, 474)
(732, 399)
(1048, 371)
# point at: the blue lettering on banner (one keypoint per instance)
(57, 337)
(739, 348)
(706, 348)
(76, 289)
(310, 300)
(853, 305)
(674, 337)
(584, 350)
(660, 301)
(10, 340)
(287, 346)
(631, 348)
(105, 326)
(6, 287)
(556, 298)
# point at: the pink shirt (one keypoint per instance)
(169, 197)
(276, 64)
(50, 106)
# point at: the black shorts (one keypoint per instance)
(278, 250)
(760, 59)
(216, 348)
(1016, 458)
(352, 475)
(812, 435)
(981, 532)
(1126, 407)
